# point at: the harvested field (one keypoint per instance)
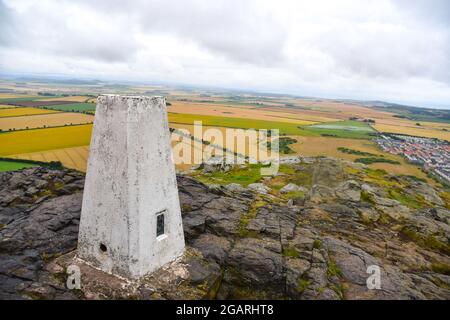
(7, 106)
(69, 98)
(228, 122)
(49, 120)
(238, 111)
(20, 112)
(14, 95)
(327, 146)
(75, 158)
(414, 131)
(44, 139)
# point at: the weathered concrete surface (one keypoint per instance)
(130, 179)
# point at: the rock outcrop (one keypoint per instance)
(242, 243)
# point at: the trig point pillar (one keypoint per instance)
(130, 219)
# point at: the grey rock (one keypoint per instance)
(259, 188)
(213, 247)
(235, 187)
(349, 190)
(292, 187)
(258, 262)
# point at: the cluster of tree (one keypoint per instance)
(372, 160)
(357, 152)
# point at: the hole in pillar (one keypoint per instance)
(160, 223)
(103, 248)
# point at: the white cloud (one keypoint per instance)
(385, 49)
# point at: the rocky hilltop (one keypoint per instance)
(310, 232)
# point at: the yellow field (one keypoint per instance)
(6, 106)
(16, 112)
(36, 140)
(49, 120)
(75, 158)
(70, 98)
(414, 131)
(327, 146)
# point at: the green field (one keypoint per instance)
(73, 107)
(10, 100)
(11, 166)
(228, 122)
(343, 129)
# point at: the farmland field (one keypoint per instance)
(75, 157)
(237, 111)
(414, 131)
(319, 125)
(343, 129)
(228, 122)
(48, 120)
(7, 106)
(27, 102)
(44, 139)
(328, 146)
(13, 95)
(75, 107)
(17, 112)
(68, 98)
(11, 166)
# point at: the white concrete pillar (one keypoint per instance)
(130, 220)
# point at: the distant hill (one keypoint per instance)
(407, 112)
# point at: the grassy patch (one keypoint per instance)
(446, 197)
(290, 252)
(317, 244)
(352, 171)
(333, 269)
(379, 177)
(12, 166)
(441, 268)
(426, 241)
(417, 202)
(302, 284)
(246, 218)
(293, 195)
(367, 197)
(290, 175)
(343, 129)
(242, 176)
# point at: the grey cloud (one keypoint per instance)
(6, 24)
(39, 30)
(285, 45)
(235, 29)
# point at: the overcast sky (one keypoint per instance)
(395, 50)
